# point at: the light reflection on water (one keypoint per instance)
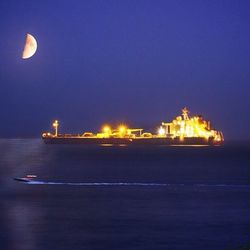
(22, 222)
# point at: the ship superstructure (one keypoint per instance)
(183, 130)
(184, 127)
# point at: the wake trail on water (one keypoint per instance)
(92, 184)
(97, 183)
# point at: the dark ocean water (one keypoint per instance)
(124, 197)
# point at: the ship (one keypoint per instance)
(183, 130)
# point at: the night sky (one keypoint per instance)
(137, 62)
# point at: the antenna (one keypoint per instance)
(185, 113)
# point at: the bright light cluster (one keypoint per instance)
(161, 131)
(185, 127)
(194, 127)
(107, 131)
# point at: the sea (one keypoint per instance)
(123, 197)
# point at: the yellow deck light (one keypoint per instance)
(161, 131)
(106, 129)
(122, 129)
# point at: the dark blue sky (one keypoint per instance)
(137, 62)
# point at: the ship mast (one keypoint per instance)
(185, 112)
(55, 126)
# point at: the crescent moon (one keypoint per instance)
(30, 47)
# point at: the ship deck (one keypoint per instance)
(129, 141)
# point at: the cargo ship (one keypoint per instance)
(183, 130)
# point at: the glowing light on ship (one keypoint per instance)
(106, 129)
(122, 129)
(161, 131)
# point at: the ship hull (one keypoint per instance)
(129, 141)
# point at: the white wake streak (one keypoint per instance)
(135, 184)
(98, 183)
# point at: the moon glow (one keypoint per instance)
(30, 47)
